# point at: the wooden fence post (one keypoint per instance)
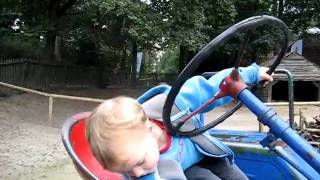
(65, 78)
(50, 110)
(25, 70)
(261, 127)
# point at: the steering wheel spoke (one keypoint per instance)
(243, 46)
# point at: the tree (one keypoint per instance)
(44, 17)
(300, 15)
(168, 62)
(19, 36)
(117, 29)
(191, 24)
(124, 25)
(56, 11)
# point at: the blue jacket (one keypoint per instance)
(195, 92)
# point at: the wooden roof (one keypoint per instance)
(301, 68)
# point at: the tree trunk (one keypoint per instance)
(275, 8)
(184, 57)
(134, 52)
(53, 47)
(57, 49)
(134, 56)
(280, 9)
(50, 43)
(56, 10)
(123, 60)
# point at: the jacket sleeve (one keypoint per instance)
(198, 90)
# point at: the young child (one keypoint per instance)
(123, 139)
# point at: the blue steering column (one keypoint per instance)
(233, 86)
(280, 129)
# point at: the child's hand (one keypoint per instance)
(264, 76)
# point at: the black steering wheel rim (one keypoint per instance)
(243, 26)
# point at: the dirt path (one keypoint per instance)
(245, 120)
(30, 149)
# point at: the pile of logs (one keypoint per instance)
(311, 131)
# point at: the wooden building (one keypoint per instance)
(306, 78)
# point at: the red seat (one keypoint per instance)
(74, 140)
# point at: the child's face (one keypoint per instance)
(138, 152)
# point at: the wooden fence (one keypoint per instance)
(36, 75)
(51, 98)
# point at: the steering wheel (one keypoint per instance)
(245, 26)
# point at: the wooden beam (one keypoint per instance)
(269, 89)
(317, 84)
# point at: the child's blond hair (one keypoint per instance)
(117, 115)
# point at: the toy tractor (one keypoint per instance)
(278, 154)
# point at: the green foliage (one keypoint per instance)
(20, 46)
(22, 42)
(168, 62)
(119, 21)
(36, 23)
(102, 32)
(118, 24)
(249, 8)
(185, 24)
(263, 39)
(301, 15)
(111, 58)
(219, 15)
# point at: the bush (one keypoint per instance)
(20, 46)
(169, 61)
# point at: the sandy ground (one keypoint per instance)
(244, 119)
(31, 149)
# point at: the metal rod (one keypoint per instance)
(243, 45)
(290, 94)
